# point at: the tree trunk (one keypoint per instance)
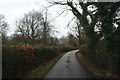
(92, 42)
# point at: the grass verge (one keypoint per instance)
(89, 67)
(43, 69)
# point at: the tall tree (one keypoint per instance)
(79, 33)
(46, 29)
(108, 13)
(88, 15)
(30, 25)
(3, 25)
(87, 18)
(98, 20)
(3, 29)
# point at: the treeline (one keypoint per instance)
(34, 29)
(31, 29)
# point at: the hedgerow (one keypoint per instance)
(20, 59)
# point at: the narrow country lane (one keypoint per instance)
(67, 67)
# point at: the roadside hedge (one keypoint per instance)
(16, 59)
(102, 59)
(21, 59)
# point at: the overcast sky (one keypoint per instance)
(15, 9)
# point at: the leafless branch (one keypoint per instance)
(70, 22)
(61, 13)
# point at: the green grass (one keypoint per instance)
(43, 69)
(89, 67)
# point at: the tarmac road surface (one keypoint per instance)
(67, 67)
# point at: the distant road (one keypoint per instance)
(67, 67)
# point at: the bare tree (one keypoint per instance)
(3, 26)
(3, 30)
(34, 26)
(47, 29)
(30, 25)
(79, 33)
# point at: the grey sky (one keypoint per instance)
(15, 9)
